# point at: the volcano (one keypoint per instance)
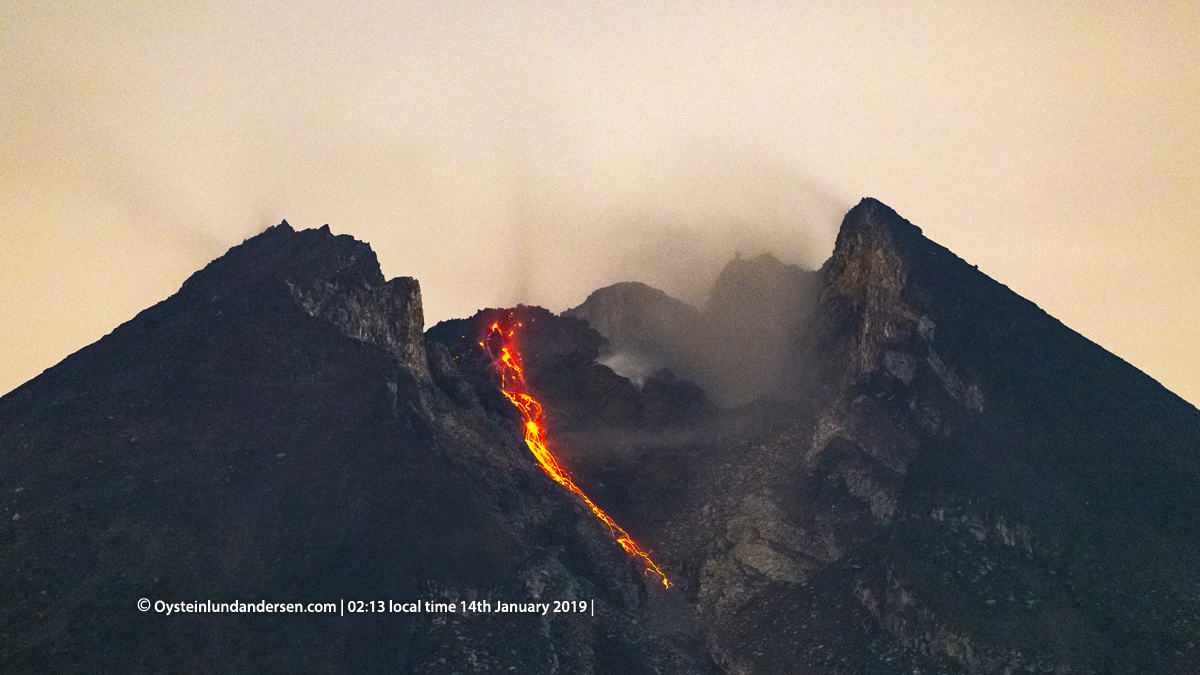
(893, 464)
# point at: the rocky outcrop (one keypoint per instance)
(998, 493)
(644, 329)
(333, 278)
(388, 316)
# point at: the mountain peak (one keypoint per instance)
(872, 212)
(281, 253)
(871, 218)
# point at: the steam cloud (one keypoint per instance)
(736, 347)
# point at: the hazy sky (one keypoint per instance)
(505, 152)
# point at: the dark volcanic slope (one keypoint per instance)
(978, 488)
(273, 432)
(943, 479)
(949, 480)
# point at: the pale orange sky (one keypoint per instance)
(534, 151)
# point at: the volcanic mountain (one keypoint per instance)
(899, 466)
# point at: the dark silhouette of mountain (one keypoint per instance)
(1027, 499)
(273, 432)
(950, 481)
(918, 472)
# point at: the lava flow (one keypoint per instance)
(512, 383)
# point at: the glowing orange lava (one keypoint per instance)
(512, 383)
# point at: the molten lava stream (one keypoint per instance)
(512, 383)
